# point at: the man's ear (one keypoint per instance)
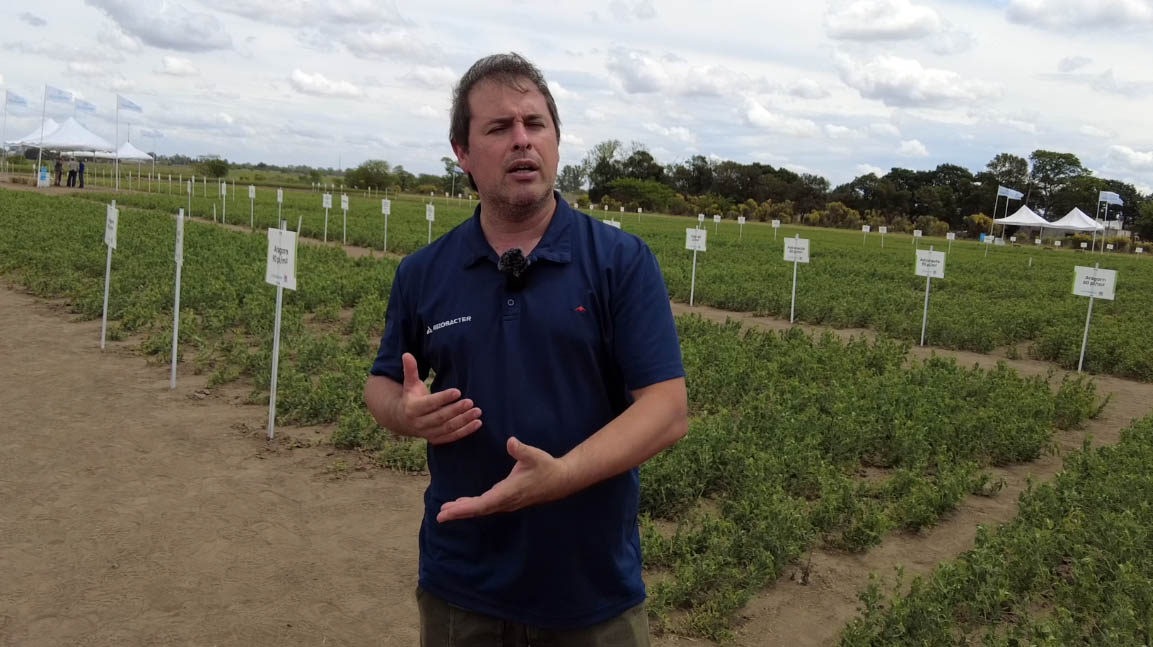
(461, 157)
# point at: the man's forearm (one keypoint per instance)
(381, 395)
(657, 418)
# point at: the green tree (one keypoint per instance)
(375, 173)
(1143, 226)
(1010, 171)
(214, 167)
(571, 179)
(1051, 172)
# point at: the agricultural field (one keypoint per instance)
(1072, 569)
(1017, 297)
(797, 442)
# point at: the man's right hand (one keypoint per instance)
(440, 417)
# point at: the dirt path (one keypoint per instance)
(813, 615)
(131, 514)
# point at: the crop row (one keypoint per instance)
(795, 441)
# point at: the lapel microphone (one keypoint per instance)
(513, 265)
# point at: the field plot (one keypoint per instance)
(1016, 294)
(1074, 568)
(796, 441)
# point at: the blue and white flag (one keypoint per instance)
(56, 94)
(1009, 193)
(15, 99)
(84, 106)
(1110, 197)
(125, 104)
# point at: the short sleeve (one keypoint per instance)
(399, 334)
(644, 334)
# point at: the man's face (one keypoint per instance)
(512, 144)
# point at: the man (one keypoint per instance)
(558, 372)
(72, 170)
(81, 173)
(59, 168)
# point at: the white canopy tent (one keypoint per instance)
(33, 138)
(1023, 217)
(129, 153)
(1076, 220)
(73, 136)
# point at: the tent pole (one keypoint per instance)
(40, 150)
(116, 144)
(995, 210)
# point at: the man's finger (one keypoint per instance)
(472, 506)
(454, 436)
(455, 419)
(423, 405)
(411, 371)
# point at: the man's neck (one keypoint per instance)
(504, 230)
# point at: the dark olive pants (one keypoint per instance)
(444, 625)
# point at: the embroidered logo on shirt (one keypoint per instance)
(450, 322)
(579, 309)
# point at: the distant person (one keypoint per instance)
(59, 170)
(72, 171)
(81, 174)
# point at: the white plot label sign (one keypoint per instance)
(797, 250)
(740, 220)
(917, 233)
(716, 219)
(111, 220)
(776, 224)
(281, 268)
(700, 218)
(930, 264)
(326, 201)
(695, 239)
(429, 212)
(1093, 282)
(251, 192)
(386, 206)
(950, 236)
(344, 202)
(866, 228)
(883, 230)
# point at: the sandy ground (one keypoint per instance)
(133, 515)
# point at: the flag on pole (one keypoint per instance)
(84, 106)
(125, 104)
(1110, 197)
(15, 99)
(1009, 193)
(56, 94)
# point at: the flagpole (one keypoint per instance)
(116, 144)
(995, 210)
(40, 149)
(4, 132)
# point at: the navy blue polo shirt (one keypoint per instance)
(551, 363)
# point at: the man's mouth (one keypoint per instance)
(522, 169)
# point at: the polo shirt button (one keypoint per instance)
(511, 303)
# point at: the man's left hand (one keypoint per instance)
(536, 478)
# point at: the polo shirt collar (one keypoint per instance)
(555, 246)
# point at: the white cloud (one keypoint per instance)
(428, 112)
(678, 133)
(572, 140)
(32, 19)
(865, 169)
(432, 78)
(639, 9)
(319, 85)
(1093, 131)
(312, 13)
(390, 44)
(637, 72)
(951, 41)
(834, 131)
(1105, 82)
(64, 52)
(1081, 14)
(1072, 63)
(559, 92)
(175, 66)
(912, 148)
(905, 82)
(167, 25)
(757, 115)
(884, 130)
(85, 69)
(1134, 160)
(882, 20)
(808, 89)
(117, 39)
(592, 114)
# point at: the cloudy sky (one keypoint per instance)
(837, 88)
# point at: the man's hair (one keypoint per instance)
(511, 69)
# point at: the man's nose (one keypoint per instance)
(520, 139)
